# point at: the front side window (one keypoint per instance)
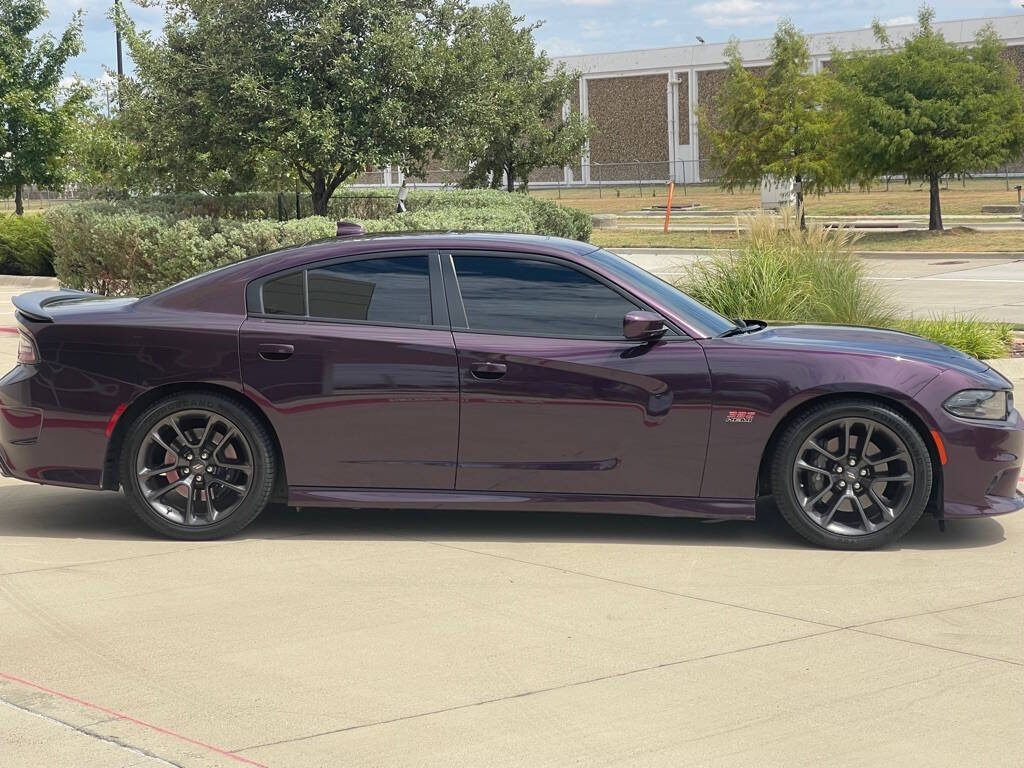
(390, 291)
(537, 298)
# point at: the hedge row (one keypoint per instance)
(25, 246)
(537, 214)
(134, 253)
(113, 249)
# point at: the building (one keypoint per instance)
(644, 103)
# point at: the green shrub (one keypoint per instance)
(126, 252)
(788, 274)
(968, 334)
(451, 209)
(25, 247)
(813, 276)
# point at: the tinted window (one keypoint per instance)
(538, 298)
(394, 291)
(705, 319)
(285, 295)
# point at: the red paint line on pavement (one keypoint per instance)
(130, 719)
(8, 330)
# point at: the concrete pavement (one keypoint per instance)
(330, 638)
(990, 287)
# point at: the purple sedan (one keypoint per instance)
(488, 371)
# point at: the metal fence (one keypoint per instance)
(642, 177)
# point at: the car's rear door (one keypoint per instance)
(355, 365)
(555, 399)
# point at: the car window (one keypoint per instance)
(391, 290)
(534, 297)
(285, 295)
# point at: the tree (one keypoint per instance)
(101, 155)
(326, 87)
(515, 122)
(34, 114)
(773, 126)
(928, 108)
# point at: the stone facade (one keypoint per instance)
(630, 116)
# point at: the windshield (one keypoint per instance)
(700, 317)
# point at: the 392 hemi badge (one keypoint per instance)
(739, 417)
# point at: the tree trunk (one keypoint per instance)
(934, 205)
(510, 177)
(320, 194)
(19, 205)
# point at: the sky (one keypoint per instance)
(592, 26)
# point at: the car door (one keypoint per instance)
(555, 399)
(354, 363)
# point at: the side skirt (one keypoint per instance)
(655, 506)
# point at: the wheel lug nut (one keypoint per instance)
(842, 484)
(863, 473)
(853, 462)
(856, 486)
(184, 471)
(204, 456)
(209, 469)
(838, 469)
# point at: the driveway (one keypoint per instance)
(990, 287)
(334, 638)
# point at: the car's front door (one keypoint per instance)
(355, 366)
(555, 399)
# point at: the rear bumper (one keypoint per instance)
(44, 441)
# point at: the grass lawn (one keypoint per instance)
(900, 199)
(949, 240)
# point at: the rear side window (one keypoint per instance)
(285, 295)
(390, 291)
(394, 291)
(537, 298)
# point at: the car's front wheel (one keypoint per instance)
(851, 474)
(197, 466)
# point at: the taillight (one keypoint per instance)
(28, 353)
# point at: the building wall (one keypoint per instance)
(630, 116)
(626, 95)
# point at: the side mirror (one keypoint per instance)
(639, 325)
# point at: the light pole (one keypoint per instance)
(117, 37)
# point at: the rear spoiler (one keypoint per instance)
(33, 305)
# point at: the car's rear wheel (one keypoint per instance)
(851, 474)
(197, 466)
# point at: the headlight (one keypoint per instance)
(979, 404)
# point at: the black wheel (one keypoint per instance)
(197, 466)
(851, 474)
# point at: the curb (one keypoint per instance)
(19, 282)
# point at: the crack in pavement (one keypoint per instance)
(537, 691)
(83, 729)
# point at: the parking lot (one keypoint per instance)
(328, 638)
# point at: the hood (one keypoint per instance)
(868, 341)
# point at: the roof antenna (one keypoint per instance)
(350, 229)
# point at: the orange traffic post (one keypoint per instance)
(668, 205)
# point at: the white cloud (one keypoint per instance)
(739, 13)
(560, 46)
(896, 21)
(592, 29)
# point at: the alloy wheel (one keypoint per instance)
(853, 476)
(194, 467)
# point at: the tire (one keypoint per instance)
(224, 466)
(862, 505)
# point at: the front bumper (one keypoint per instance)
(983, 458)
(994, 505)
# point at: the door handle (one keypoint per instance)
(488, 371)
(276, 351)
